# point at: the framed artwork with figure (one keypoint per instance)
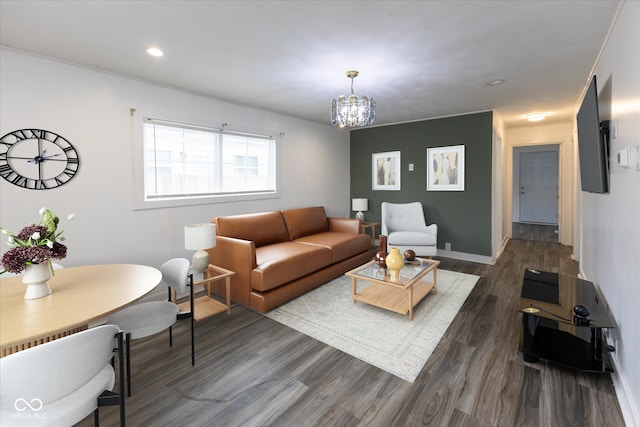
(386, 170)
(445, 168)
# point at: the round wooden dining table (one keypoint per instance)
(80, 295)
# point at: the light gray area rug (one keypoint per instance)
(387, 340)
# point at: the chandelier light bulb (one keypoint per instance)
(352, 111)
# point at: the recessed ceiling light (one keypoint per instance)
(536, 117)
(494, 82)
(154, 51)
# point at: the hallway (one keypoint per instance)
(536, 232)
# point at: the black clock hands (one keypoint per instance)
(38, 159)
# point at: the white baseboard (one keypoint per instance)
(630, 412)
(482, 259)
(501, 250)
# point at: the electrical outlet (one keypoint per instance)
(447, 246)
(610, 341)
(410, 167)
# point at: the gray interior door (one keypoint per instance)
(539, 187)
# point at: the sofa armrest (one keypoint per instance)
(238, 256)
(344, 225)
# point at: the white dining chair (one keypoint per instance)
(61, 382)
(149, 318)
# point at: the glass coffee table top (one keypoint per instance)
(410, 270)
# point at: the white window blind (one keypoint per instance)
(184, 161)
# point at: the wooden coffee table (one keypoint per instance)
(399, 296)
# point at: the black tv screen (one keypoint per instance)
(593, 143)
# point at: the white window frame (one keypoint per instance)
(140, 201)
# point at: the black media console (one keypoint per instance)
(563, 321)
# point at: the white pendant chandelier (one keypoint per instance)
(352, 111)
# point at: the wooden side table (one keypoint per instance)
(371, 226)
(205, 306)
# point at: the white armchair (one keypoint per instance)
(405, 228)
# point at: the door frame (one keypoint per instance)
(517, 177)
(564, 211)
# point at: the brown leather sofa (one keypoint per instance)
(278, 256)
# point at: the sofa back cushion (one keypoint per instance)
(261, 228)
(305, 221)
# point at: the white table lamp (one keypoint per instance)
(360, 205)
(199, 237)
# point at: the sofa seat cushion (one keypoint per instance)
(409, 238)
(281, 263)
(342, 245)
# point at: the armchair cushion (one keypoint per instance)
(411, 238)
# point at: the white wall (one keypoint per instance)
(91, 110)
(610, 223)
(540, 134)
(498, 231)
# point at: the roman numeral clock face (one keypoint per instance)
(37, 159)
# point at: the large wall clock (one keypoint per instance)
(37, 159)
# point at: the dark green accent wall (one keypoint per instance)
(463, 217)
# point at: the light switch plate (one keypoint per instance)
(623, 157)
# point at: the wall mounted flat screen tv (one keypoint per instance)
(593, 143)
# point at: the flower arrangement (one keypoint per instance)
(35, 244)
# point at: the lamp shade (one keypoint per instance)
(360, 205)
(199, 236)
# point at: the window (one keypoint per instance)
(187, 162)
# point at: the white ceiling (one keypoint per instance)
(418, 59)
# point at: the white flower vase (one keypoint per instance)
(35, 277)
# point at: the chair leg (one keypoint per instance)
(170, 336)
(128, 357)
(121, 376)
(108, 397)
(192, 319)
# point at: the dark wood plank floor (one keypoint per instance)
(539, 232)
(252, 371)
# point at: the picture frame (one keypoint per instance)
(445, 168)
(386, 169)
